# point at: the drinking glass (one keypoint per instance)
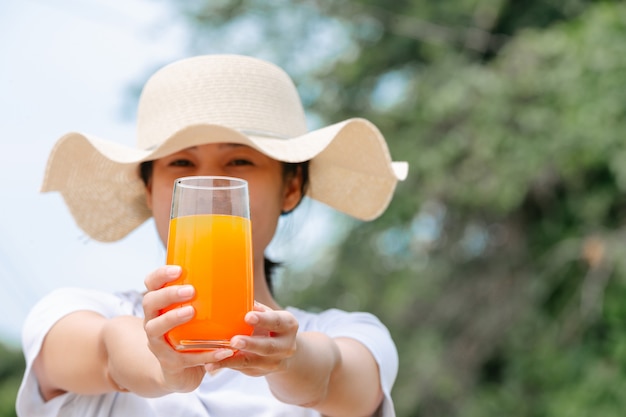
(210, 238)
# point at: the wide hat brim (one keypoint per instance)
(350, 170)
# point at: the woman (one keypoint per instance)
(94, 354)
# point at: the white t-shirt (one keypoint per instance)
(228, 393)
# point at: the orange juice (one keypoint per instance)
(215, 253)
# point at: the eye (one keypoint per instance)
(180, 163)
(240, 162)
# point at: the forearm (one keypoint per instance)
(338, 377)
(130, 364)
(306, 376)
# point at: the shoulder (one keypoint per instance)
(332, 320)
(63, 301)
(362, 326)
(66, 300)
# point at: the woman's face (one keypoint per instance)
(270, 192)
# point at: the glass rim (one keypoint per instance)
(187, 182)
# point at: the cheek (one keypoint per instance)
(264, 213)
(161, 206)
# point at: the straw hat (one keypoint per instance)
(220, 98)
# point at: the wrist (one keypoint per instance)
(305, 376)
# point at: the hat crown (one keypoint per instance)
(239, 92)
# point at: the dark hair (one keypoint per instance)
(289, 171)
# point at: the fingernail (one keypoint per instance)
(238, 344)
(185, 291)
(185, 311)
(223, 354)
(252, 318)
(172, 271)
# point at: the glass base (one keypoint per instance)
(190, 345)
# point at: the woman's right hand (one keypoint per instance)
(182, 371)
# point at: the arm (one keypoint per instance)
(338, 377)
(86, 353)
(70, 363)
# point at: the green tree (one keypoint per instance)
(11, 370)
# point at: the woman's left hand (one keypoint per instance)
(269, 348)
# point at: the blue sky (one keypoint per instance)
(67, 65)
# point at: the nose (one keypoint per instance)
(211, 172)
(209, 165)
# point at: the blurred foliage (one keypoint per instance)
(498, 266)
(11, 370)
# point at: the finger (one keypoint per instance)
(276, 322)
(156, 327)
(261, 307)
(155, 301)
(177, 360)
(247, 363)
(161, 276)
(264, 346)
